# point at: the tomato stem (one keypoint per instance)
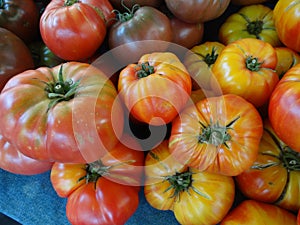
(253, 64)
(144, 70)
(255, 27)
(70, 2)
(211, 58)
(123, 17)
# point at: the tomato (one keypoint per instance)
(197, 11)
(246, 68)
(287, 21)
(42, 55)
(72, 30)
(274, 177)
(284, 108)
(21, 18)
(286, 59)
(68, 113)
(138, 32)
(247, 2)
(196, 198)
(218, 134)
(199, 62)
(13, 161)
(105, 191)
(250, 212)
(156, 88)
(186, 34)
(298, 217)
(15, 56)
(253, 21)
(123, 4)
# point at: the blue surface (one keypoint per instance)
(31, 200)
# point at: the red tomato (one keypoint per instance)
(92, 188)
(72, 31)
(15, 56)
(251, 212)
(58, 113)
(21, 18)
(217, 134)
(196, 11)
(13, 161)
(246, 68)
(287, 21)
(284, 108)
(156, 88)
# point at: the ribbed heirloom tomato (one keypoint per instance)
(217, 134)
(65, 113)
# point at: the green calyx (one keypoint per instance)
(60, 90)
(215, 134)
(255, 27)
(125, 16)
(210, 59)
(70, 2)
(144, 70)
(253, 64)
(290, 159)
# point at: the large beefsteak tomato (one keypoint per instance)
(67, 113)
(217, 134)
(246, 67)
(196, 198)
(284, 108)
(156, 88)
(103, 192)
(274, 177)
(72, 30)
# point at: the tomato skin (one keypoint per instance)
(155, 106)
(246, 68)
(250, 212)
(21, 18)
(15, 56)
(284, 108)
(13, 161)
(111, 197)
(287, 22)
(72, 32)
(131, 36)
(189, 205)
(54, 132)
(253, 21)
(272, 178)
(298, 217)
(199, 62)
(286, 59)
(218, 134)
(197, 11)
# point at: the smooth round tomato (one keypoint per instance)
(13, 161)
(250, 212)
(21, 18)
(274, 177)
(287, 21)
(197, 11)
(196, 198)
(72, 30)
(253, 21)
(156, 88)
(68, 113)
(92, 188)
(246, 67)
(199, 61)
(135, 28)
(286, 59)
(284, 108)
(15, 56)
(218, 134)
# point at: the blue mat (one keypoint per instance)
(31, 200)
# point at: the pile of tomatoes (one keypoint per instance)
(188, 102)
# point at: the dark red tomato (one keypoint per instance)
(186, 34)
(21, 17)
(132, 30)
(13, 161)
(15, 57)
(72, 31)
